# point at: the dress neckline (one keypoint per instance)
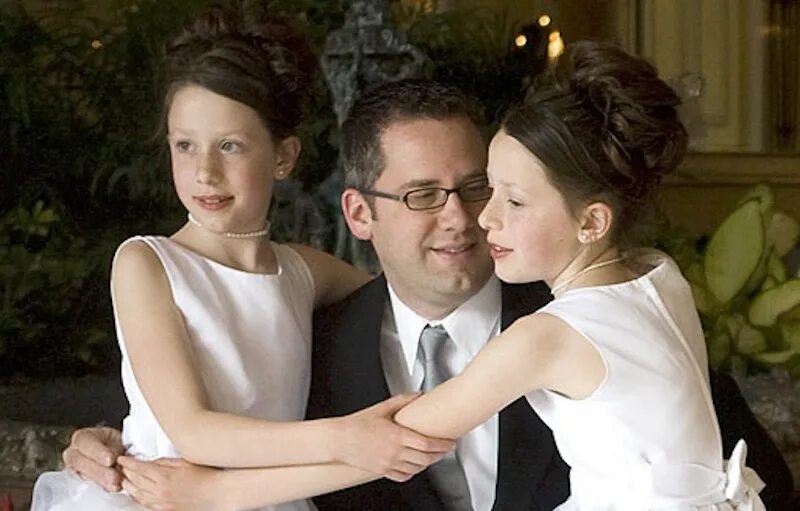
(655, 259)
(226, 267)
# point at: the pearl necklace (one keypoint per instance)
(556, 289)
(236, 235)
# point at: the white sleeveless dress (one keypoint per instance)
(648, 437)
(251, 336)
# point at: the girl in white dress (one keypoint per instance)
(616, 364)
(214, 322)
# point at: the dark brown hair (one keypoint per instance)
(378, 108)
(607, 129)
(249, 55)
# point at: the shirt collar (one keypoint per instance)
(470, 325)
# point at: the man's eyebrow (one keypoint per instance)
(422, 183)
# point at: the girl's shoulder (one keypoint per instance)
(137, 256)
(547, 329)
(138, 243)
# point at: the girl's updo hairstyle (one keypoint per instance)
(246, 54)
(607, 129)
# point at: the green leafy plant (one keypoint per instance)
(747, 299)
(45, 274)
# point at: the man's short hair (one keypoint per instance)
(378, 108)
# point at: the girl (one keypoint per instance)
(616, 364)
(214, 322)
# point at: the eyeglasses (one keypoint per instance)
(435, 197)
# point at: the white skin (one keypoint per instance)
(440, 261)
(224, 163)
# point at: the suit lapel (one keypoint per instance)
(526, 448)
(360, 380)
(355, 351)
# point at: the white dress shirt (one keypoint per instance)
(470, 326)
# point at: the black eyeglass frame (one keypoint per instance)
(404, 198)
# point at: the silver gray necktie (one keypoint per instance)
(447, 474)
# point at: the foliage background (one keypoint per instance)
(80, 171)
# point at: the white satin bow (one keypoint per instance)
(743, 484)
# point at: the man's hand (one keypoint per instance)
(92, 453)
(372, 441)
(170, 484)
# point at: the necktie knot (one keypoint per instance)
(432, 341)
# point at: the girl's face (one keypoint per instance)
(532, 233)
(224, 161)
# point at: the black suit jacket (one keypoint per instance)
(347, 375)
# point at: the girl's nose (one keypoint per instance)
(488, 219)
(207, 171)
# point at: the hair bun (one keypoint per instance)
(249, 54)
(641, 130)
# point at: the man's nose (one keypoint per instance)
(456, 214)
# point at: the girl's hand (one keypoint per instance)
(171, 484)
(372, 441)
(92, 453)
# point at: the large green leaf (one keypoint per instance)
(783, 232)
(767, 306)
(735, 251)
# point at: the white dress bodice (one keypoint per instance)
(251, 340)
(647, 437)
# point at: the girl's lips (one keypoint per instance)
(213, 202)
(497, 252)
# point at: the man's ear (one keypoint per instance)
(286, 153)
(357, 213)
(596, 221)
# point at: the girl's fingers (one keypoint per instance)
(420, 459)
(422, 443)
(141, 496)
(146, 469)
(406, 469)
(141, 482)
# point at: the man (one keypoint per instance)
(414, 164)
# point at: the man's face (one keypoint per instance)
(436, 259)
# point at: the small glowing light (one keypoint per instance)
(426, 6)
(97, 44)
(544, 20)
(520, 41)
(556, 45)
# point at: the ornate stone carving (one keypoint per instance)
(366, 50)
(27, 450)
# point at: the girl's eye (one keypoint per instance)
(514, 203)
(228, 146)
(183, 146)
